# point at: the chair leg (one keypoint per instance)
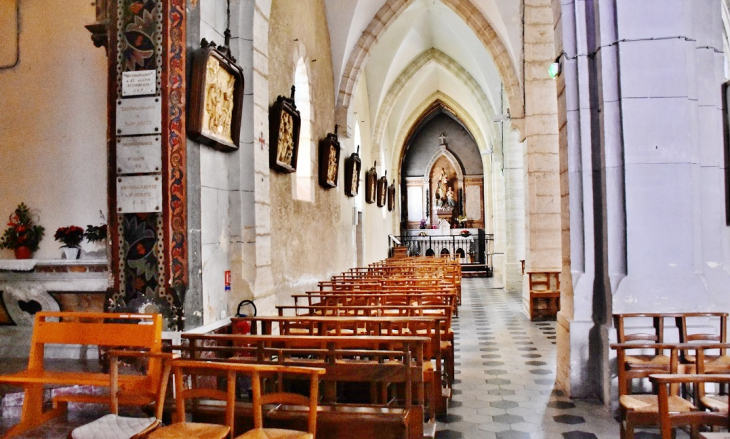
(627, 425)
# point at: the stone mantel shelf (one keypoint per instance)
(80, 275)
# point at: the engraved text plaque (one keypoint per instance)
(139, 116)
(141, 82)
(138, 155)
(139, 194)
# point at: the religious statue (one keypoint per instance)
(450, 198)
(441, 189)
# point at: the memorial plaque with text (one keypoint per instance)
(139, 194)
(139, 116)
(139, 155)
(139, 83)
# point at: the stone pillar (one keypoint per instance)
(514, 206)
(252, 271)
(643, 136)
(542, 179)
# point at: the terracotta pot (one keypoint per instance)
(23, 253)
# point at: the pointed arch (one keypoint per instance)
(444, 152)
(435, 101)
(471, 16)
(422, 61)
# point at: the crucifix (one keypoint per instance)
(442, 137)
(262, 141)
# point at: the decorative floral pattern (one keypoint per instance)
(139, 34)
(152, 248)
(177, 241)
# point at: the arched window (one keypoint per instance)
(304, 187)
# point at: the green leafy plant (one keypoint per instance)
(70, 236)
(22, 230)
(95, 233)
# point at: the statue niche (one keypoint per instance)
(444, 187)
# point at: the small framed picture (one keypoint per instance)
(383, 190)
(329, 160)
(391, 197)
(284, 125)
(216, 98)
(352, 173)
(371, 183)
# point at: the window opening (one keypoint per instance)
(303, 188)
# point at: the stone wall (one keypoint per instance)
(53, 124)
(310, 240)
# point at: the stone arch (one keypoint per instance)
(428, 105)
(435, 101)
(473, 18)
(423, 60)
(443, 152)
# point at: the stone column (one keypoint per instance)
(252, 271)
(643, 136)
(542, 179)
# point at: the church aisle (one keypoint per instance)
(505, 374)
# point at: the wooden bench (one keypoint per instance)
(390, 367)
(139, 331)
(544, 287)
(384, 297)
(439, 389)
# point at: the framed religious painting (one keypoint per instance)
(391, 197)
(329, 160)
(383, 190)
(216, 98)
(284, 125)
(352, 173)
(371, 184)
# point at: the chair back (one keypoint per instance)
(190, 385)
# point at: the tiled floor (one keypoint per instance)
(505, 374)
(504, 381)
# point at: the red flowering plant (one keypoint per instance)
(22, 230)
(70, 236)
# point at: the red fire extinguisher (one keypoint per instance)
(245, 309)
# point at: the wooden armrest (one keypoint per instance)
(138, 354)
(666, 378)
(624, 346)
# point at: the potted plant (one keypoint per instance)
(95, 233)
(71, 238)
(22, 235)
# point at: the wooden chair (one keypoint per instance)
(110, 330)
(120, 426)
(704, 327)
(643, 410)
(259, 400)
(631, 328)
(195, 370)
(544, 287)
(669, 417)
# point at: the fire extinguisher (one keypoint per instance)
(245, 309)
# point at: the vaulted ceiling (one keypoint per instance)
(408, 54)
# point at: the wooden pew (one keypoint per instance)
(379, 298)
(370, 326)
(443, 311)
(139, 331)
(392, 367)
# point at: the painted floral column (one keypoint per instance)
(149, 250)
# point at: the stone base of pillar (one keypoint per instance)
(513, 276)
(583, 370)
